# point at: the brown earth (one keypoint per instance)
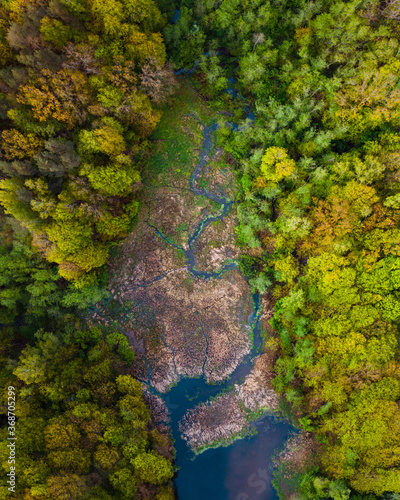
(185, 326)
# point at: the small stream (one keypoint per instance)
(221, 198)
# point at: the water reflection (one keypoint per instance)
(241, 471)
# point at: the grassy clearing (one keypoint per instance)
(178, 138)
(177, 141)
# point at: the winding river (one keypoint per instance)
(242, 470)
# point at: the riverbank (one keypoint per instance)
(230, 415)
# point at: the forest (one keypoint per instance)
(81, 87)
(83, 84)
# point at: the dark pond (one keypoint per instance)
(240, 471)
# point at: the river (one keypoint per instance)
(163, 327)
(241, 471)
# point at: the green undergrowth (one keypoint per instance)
(177, 142)
(221, 442)
(177, 137)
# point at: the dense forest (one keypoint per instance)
(83, 427)
(80, 88)
(83, 83)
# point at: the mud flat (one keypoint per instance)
(181, 325)
(189, 329)
(177, 293)
(230, 414)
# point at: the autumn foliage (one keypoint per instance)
(79, 99)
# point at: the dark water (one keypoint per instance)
(241, 471)
(176, 16)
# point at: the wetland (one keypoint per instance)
(179, 295)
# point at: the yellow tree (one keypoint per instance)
(370, 99)
(62, 96)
